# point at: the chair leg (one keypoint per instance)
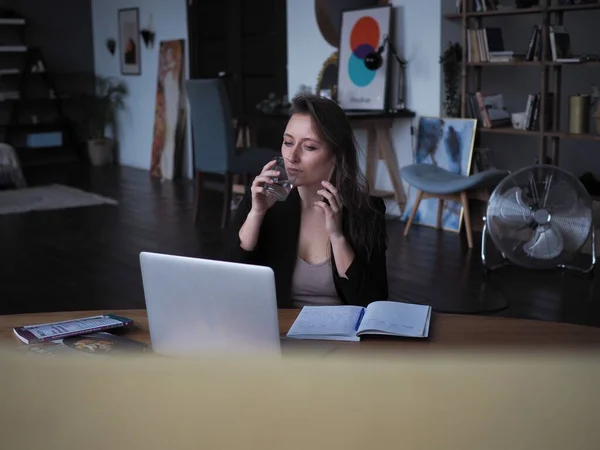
(197, 194)
(413, 212)
(440, 211)
(227, 199)
(464, 199)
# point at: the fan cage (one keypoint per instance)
(539, 217)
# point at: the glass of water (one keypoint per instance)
(282, 184)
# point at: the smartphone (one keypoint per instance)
(328, 179)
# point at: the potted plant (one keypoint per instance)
(107, 100)
(451, 60)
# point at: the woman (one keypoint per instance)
(327, 242)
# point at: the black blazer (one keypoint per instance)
(277, 248)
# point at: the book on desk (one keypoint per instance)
(351, 323)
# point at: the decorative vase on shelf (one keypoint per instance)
(596, 101)
(579, 114)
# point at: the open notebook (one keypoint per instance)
(349, 323)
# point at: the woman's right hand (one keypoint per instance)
(260, 201)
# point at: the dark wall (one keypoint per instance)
(247, 40)
(62, 29)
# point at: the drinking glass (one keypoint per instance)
(282, 185)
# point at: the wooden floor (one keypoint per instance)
(87, 258)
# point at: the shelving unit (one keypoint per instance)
(31, 110)
(551, 14)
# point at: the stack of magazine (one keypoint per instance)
(88, 335)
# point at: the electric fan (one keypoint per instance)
(540, 217)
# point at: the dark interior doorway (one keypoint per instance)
(246, 40)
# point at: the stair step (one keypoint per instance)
(12, 21)
(12, 48)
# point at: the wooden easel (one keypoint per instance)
(380, 147)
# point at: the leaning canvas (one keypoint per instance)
(170, 112)
(447, 143)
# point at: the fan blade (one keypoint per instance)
(546, 243)
(560, 197)
(574, 227)
(511, 208)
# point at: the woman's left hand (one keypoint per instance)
(333, 210)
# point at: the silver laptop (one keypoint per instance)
(199, 306)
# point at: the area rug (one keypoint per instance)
(44, 198)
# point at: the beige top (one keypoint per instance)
(312, 284)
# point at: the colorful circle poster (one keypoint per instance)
(363, 32)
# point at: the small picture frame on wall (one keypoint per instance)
(364, 59)
(129, 41)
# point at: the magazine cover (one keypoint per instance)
(95, 344)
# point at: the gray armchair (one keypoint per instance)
(213, 141)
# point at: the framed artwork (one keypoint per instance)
(447, 143)
(363, 33)
(129, 41)
(170, 112)
(328, 14)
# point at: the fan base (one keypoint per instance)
(487, 267)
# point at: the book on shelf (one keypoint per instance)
(487, 45)
(532, 112)
(490, 112)
(532, 47)
(560, 45)
(489, 109)
(33, 334)
(351, 323)
(479, 5)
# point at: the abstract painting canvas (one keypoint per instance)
(170, 112)
(447, 143)
(363, 32)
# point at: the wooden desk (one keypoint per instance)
(452, 400)
(446, 331)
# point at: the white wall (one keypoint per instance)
(451, 32)
(418, 37)
(137, 122)
(306, 48)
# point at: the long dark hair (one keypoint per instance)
(334, 130)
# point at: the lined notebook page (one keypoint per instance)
(397, 318)
(337, 320)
